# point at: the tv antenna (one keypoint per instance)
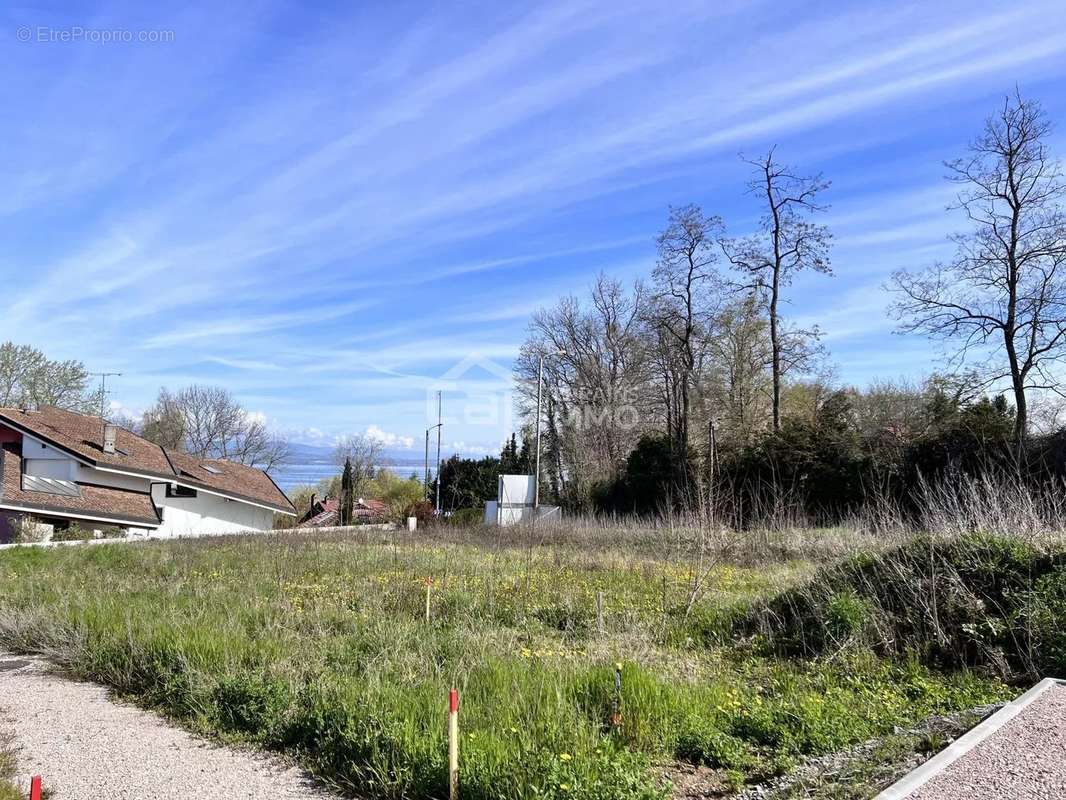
(103, 376)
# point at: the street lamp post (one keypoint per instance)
(437, 428)
(426, 492)
(440, 425)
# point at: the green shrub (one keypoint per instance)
(700, 742)
(72, 533)
(982, 601)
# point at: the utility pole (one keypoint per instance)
(440, 426)
(425, 493)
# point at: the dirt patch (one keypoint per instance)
(85, 745)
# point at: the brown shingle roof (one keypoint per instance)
(82, 436)
(230, 478)
(93, 501)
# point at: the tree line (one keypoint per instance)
(694, 383)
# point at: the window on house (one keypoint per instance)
(176, 490)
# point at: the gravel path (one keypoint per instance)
(88, 747)
(1023, 760)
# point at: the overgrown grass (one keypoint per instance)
(993, 602)
(319, 647)
(8, 766)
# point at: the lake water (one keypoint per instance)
(290, 476)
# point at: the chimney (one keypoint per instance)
(110, 433)
(311, 505)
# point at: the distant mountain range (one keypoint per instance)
(322, 454)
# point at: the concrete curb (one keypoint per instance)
(964, 744)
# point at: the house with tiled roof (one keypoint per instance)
(60, 468)
(325, 513)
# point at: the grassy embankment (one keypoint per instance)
(319, 647)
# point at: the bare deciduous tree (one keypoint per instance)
(164, 422)
(363, 455)
(594, 377)
(685, 278)
(1003, 296)
(208, 422)
(739, 385)
(29, 378)
(786, 243)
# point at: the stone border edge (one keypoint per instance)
(919, 776)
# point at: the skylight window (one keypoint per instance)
(212, 470)
(35, 483)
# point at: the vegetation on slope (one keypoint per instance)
(984, 601)
(319, 647)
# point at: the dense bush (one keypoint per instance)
(656, 480)
(818, 462)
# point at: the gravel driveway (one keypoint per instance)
(88, 747)
(1023, 760)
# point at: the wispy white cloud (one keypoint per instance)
(328, 221)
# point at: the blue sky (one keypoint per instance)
(328, 210)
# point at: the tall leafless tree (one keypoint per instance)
(363, 454)
(739, 380)
(1003, 296)
(595, 374)
(687, 289)
(786, 243)
(208, 422)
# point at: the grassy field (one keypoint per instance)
(319, 647)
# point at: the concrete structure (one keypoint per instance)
(514, 503)
(60, 468)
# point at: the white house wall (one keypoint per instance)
(207, 514)
(44, 461)
(182, 516)
(86, 474)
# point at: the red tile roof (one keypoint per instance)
(326, 512)
(120, 505)
(81, 436)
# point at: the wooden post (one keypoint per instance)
(453, 745)
(35, 787)
(616, 711)
(599, 613)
